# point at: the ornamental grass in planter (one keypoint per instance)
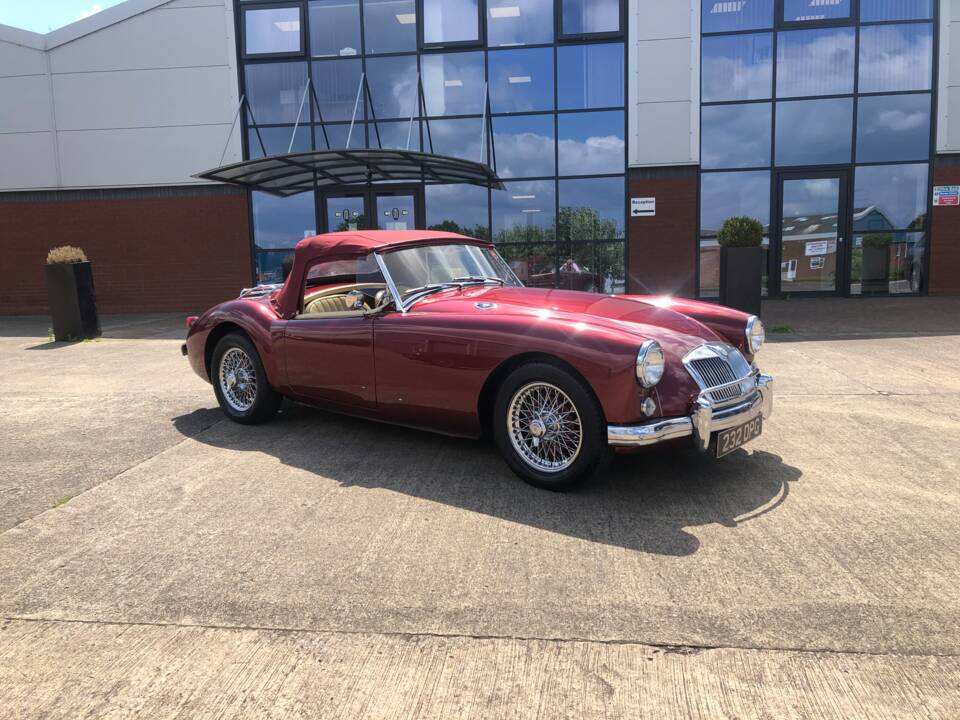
(741, 263)
(71, 296)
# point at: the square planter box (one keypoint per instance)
(73, 302)
(741, 273)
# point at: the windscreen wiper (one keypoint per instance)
(471, 279)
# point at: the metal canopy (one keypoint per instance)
(294, 173)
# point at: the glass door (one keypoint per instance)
(812, 233)
(395, 211)
(346, 212)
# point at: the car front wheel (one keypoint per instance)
(240, 382)
(549, 426)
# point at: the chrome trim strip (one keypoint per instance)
(705, 418)
(390, 284)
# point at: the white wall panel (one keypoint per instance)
(19, 60)
(663, 133)
(29, 161)
(140, 156)
(24, 103)
(664, 70)
(160, 38)
(142, 98)
(948, 90)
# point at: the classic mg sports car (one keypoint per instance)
(433, 330)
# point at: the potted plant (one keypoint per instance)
(741, 263)
(73, 302)
(875, 265)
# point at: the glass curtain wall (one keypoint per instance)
(811, 87)
(555, 74)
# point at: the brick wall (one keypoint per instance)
(662, 250)
(152, 250)
(945, 234)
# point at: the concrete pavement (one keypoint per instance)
(321, 565)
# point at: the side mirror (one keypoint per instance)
(355, 300)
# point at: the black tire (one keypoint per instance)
(265, 402)
(592, 451)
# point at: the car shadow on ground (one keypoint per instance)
(643, 502)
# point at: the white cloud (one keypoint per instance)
(94, 9)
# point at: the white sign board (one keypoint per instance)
(946, 195)
(820, 247)
(643, 207)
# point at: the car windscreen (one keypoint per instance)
(419, 267)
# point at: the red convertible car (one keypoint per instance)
(433, 330)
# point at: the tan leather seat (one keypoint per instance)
(328, 304)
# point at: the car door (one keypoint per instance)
(328, 346)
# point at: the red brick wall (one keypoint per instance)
(662, 252)
(169, 252)
(945, 238)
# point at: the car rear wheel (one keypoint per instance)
(549, 427)
(240, 382)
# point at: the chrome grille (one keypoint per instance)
(717, 367)
(717, 371)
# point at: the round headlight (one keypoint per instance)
(755, 334)
(650, 363)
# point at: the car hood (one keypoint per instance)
(675, 331)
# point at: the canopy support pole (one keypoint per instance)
(483, 125)
(236, 115)
(303, 99)
(356, 104)
(413, 112)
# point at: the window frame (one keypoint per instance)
(562, 37)
(480, 42)
(246, 8)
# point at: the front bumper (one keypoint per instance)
(704, 419)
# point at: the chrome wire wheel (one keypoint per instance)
(544, 427)
(238, 379)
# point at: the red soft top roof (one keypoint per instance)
(363, 242)
(353, 243)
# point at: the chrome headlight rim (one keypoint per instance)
(754, 335)
(650, 363)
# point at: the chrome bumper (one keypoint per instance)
(703, 420)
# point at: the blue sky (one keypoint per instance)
(42, 16)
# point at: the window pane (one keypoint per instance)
(390, 25)
(519, 22)
(272, 30)
(282, 222)
(524, 212)
(590, 76)
(457, 208)
(521, 80)
(524, 146)
(336, 83)
(731, 194)
(735, 136)
(887, 263)
(590, 16)
(394, 135)
(814, 132)
(457, 138)
(591, 143)
(812, 10)
(272, 267)
(334, 28)
(534, 265)
(894, 127)
(448, 21)
(896, 57)
(592, 267)
(393, 86)
(592, 209)
(276, 140)
(274, 91)
(724, 15)
(815, 62)
(871, 10)
(737, 67)
(453, 83)
(890, 196)
(337, 136)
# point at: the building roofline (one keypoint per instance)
(78, 28)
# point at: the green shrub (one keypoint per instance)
(740, 232)
(65, 255)
(877, 240)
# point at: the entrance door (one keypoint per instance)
(347, 212)
(812, 233)
(395, 211)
